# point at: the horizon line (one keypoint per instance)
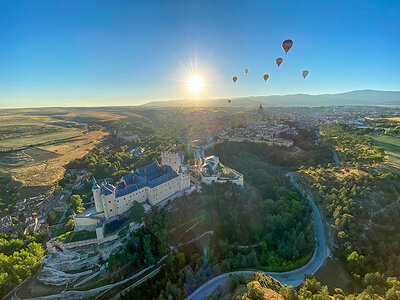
(204, 99)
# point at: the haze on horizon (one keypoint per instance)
(123, 53)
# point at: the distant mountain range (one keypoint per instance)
(361, 97)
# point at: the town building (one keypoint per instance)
(6, 224)
(214, 171)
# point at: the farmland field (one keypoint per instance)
(391, 144)
(35, 145)
(396, 119)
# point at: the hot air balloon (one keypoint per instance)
(246, 70)
(234, 79)
(304, 73)
(279, 60)
(286, 45)
(266, 76)
(229, 101)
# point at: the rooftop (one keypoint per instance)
(151, 175)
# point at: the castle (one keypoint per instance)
(152, 183)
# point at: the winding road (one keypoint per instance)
(295, 277)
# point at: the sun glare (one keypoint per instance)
(195, 83)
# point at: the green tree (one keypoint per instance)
(356, 262)
(76, 204)
(51, 218)
(288, 292)
(136, 212)
(255, 291)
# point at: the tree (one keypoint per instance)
(9, 247)
(288, 292)
(76, 204)
(255, 291)
(173, 291)
(19, 265)
(136, 212)
(181, 259)
(149, 257)
(51, 218)
(69, 226)
(356, 262)
(252, 259)
(311, 285)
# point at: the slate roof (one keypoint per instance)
(107, 189)
(151, 175)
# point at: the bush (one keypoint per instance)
(64, 237)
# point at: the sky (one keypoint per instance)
(96, 53)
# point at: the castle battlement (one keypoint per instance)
(171, 159)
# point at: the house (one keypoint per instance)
(6, 224)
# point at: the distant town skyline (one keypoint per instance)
(91, 53)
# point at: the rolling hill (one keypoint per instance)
(361, 97)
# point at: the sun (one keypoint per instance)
(195, 83)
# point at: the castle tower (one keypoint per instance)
(184, 178)
(97, 196)
(171, 159)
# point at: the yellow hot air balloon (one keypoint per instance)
(266, 76)
(229, 101)
(246, 70)
(234, 79)
(304, 73)
(279, 60)
(286, 45)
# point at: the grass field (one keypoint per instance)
(391, 144)
(82, 236)
(36, 144)
(20, 142)
(37, 168)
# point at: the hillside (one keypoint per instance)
(361, 97)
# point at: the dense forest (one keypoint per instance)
(360, 200)
(268, 213)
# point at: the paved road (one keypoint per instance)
(335, 157)
(294, 277)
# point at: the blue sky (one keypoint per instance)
(85, 53)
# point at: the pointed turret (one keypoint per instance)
(95, 185)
